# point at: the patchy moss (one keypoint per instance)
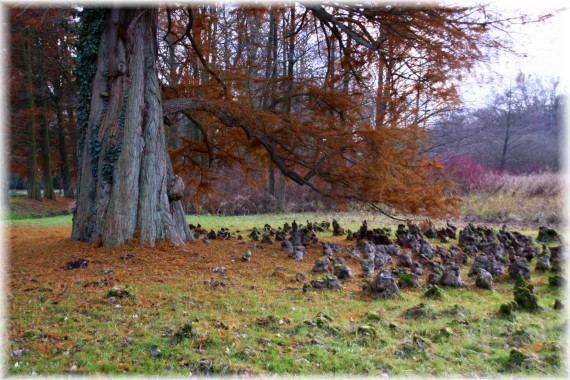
(520, 360)
(445, 332)
(372, 316)
(524, 295)
(556, 280)
(434, 293)
(188, 331)
(547, 235)
(508, 309)
(422, 310)
(120, 292)
(367, 330)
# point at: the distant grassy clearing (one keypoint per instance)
(351, 220)
(22, 208)
(534, 199)
(60, 220)
(239, 222)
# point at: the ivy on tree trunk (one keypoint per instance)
(126, 185)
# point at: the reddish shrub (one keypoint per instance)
(467, 173)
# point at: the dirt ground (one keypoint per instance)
(38, 256)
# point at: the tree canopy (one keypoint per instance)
(334, 97)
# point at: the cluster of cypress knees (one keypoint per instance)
(490, 252)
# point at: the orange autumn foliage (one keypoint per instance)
(336, 97)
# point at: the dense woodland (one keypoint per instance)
(299, 106)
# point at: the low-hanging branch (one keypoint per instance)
(352, 182)
(230, 119)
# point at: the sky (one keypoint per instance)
(544, 45)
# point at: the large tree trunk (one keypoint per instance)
(126, 184)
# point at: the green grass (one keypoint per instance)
(461, 335)
(21, 208)
(80, 331)
(350, 220)
(239, 222)
(93, 335)
(16, 216)
(19, 219)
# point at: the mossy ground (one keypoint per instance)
(250, 321)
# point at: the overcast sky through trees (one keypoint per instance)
(543, 44)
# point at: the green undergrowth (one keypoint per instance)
(29, 217)
(495, 209)
(14, 215)
(21, 209)
(237, 222)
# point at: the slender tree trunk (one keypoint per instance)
(62, 142)
(34, 190)
(290, 71)
(507, 133)
(270, 76)
(49, 192)
(72, 129)
(271, 171)
(381, 95)
(127, 187)
(281, 192)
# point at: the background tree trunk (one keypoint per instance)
(288, 72)
(270, 76)
(49, 192)
(62, 142)
(72, 129)
(34, 190)
(125, 171)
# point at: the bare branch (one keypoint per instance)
(323, 15)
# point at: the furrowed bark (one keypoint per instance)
(125, 168)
